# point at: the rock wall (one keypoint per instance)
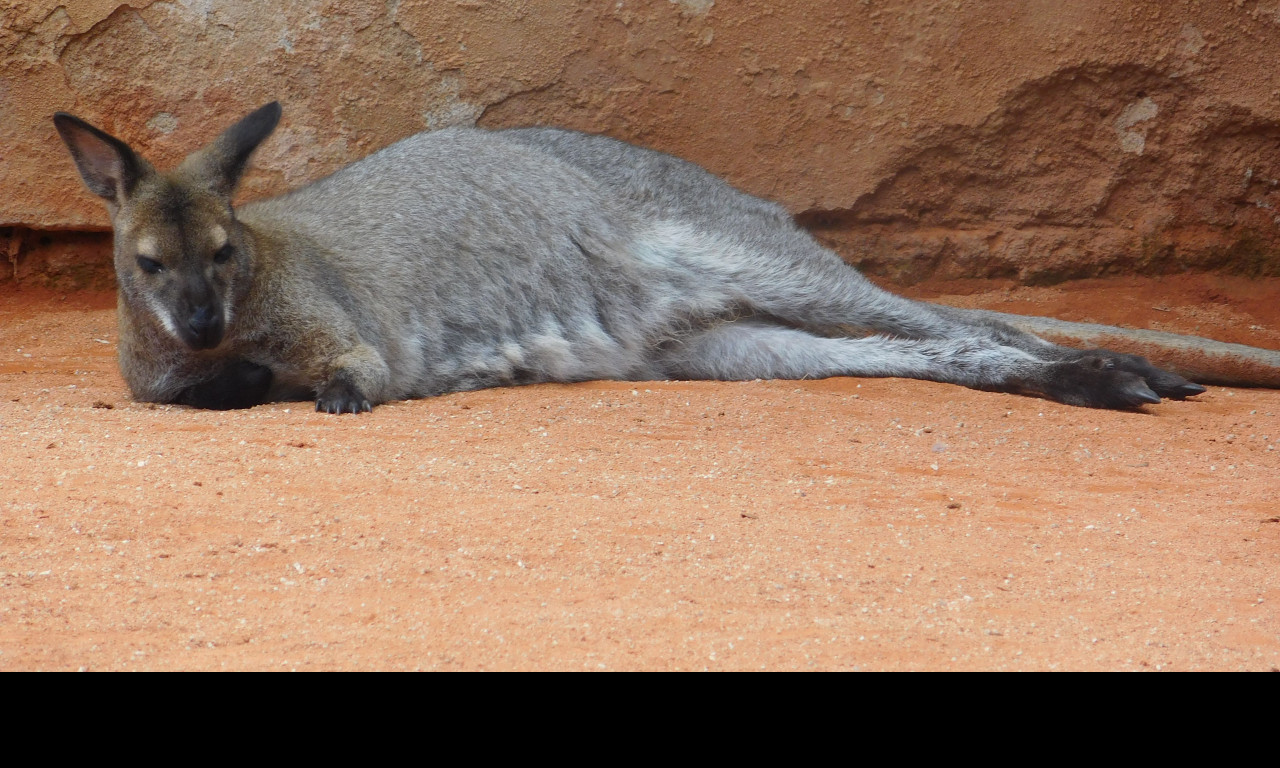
(1035, 140)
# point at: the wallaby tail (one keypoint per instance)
(1193, 357)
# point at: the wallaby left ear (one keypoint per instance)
(221, 163)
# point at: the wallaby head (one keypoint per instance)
(180, 255)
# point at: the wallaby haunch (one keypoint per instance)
(465, 258)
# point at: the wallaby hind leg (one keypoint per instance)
(750, 349)
(786, 274)
(782, 272)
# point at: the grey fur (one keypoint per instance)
(464, 258)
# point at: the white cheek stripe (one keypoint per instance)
(158, 310)
(219, 236)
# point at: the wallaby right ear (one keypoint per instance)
(110, 169)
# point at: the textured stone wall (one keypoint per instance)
(1035, 139)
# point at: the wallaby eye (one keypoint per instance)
(223, 254)
(150, 266)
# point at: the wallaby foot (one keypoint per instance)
(342, 395)
(1099, 378)
(240, 384)
(1094, 381)
(1163, 383)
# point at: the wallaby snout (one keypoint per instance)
(204, 326)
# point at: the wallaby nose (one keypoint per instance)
(205, 327)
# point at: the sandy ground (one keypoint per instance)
(841, 525)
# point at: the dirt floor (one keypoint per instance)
(843, 524)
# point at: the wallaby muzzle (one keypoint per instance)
(203, 328)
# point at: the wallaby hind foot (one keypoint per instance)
(465, 258)
(1162, 383)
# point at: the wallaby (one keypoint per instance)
(465, 258)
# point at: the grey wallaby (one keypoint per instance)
(464, 258)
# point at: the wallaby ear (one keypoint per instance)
(110, 169)
(220, 163)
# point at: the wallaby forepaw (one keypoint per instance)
(241, 384)
(341, 395)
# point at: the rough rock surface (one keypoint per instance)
(1030, 139)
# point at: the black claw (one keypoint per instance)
(1141, 393)
(343, 405)
(1190, 389)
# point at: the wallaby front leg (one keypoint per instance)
(354, 382)
(238, 384)
(157, 372)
